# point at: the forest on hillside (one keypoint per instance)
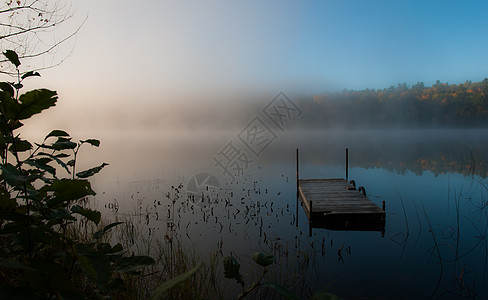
(463, 105)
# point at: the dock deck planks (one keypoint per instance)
(330, 204)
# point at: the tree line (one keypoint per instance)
(461, 105)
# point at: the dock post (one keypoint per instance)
(347, 164)
(298, 194)
(383, 206)
(310, 220)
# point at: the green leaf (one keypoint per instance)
(263, 259)
(61, 213)
(91, 172)
(65, 145)
(160, 290)
(231, 269)
(56, 133)
(18, 221)
(33, 102)
(7, 203)
(97, 266)
(104, 248)
(325, 296)
(132, 263)
(115, 286)
(20, 145)
(42, 164)
(110, 226)
(62, 144)
(30, 74)
(117, 249)
(10, 107)
(56, 159)
(13, 176)
(50, 275)
(93, 142)
(105, 229)
(68, 190)
(12, 57)
(16, 124)
(7, 87)
(281, 290)
(92, 215)
(10, 264)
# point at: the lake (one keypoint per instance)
(223, 192)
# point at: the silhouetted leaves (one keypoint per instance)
(57, 159)
(281, 290)
(6, 203)
(30, 74)
(100, 233)
(13, 176)
(68, 190)
(11, 264)
(20, 145)
(231, 269)
(12, 57)
(97, 266)
(56, 133)
(42, 164)
(38, 259)
(133, 263)
(92, 215)
(263, 259)
(63, 144)
(325, 296)
(33, 102)
(92, 142)
(91, 172)
(7, 88)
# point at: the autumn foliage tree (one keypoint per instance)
(442, 104)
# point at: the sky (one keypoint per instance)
(132, 54)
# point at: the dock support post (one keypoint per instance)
(383, 206)
(347, 164)
(310, 220)
(298, 193)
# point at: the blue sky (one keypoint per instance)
(315, 44)
(150, 51)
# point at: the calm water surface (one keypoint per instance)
(433, 183)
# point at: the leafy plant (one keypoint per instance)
(231, 271)
(38, 258)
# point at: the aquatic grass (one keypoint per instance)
(459, 281)
(407, 235)
(308, 262)
(436, 247)
(171, 259)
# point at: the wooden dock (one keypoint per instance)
(336, 204)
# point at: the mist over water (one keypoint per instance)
(162, 157)
(439, 151)
(426, 177)
(184, 97)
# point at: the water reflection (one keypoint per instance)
(432, 182)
